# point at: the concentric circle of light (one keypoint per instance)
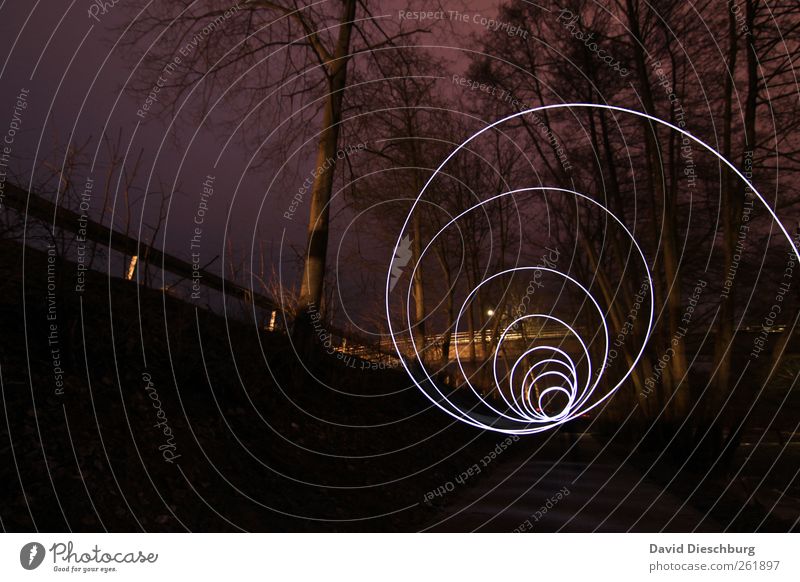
(525, 413)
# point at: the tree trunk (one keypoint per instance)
(318, 221)
(447, 335)
(717, 422)
(676, 384)
(722, 347)
(416, 244)
(419, 288)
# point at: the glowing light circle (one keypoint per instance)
(526, 415)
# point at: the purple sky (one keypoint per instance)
(75, 75)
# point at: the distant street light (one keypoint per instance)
(490, 312)
(132, 268)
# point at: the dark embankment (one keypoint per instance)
(127, 409)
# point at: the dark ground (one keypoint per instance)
(575, 483)
(263, 449)
(89, 459)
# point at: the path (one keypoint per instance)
(604, 494)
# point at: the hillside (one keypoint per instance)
(214, 432)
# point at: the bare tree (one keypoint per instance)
(262, 49)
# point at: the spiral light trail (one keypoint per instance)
(526, 414)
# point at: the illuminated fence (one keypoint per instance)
(463, 340)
